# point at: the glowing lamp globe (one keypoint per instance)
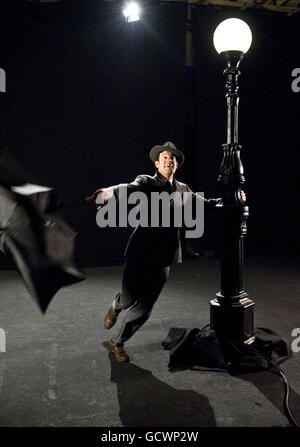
(232, 35)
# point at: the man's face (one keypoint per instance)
(166, 164)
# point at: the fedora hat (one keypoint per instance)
(168, 146)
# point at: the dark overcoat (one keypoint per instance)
(160, 245)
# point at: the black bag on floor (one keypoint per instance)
(191, 347)
(201, 347)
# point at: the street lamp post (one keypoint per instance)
(232, 311)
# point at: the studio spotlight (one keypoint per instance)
(131, 12)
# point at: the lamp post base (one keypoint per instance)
(233, 321)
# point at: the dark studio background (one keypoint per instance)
(88, 95)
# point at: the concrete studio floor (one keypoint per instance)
(57, 372)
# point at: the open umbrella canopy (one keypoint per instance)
(35, 236)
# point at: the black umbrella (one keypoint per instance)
(36, 237)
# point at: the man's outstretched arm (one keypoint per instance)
(102, 195)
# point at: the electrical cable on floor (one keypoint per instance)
(287, 389)
(269, 361)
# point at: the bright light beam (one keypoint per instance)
(131, 12)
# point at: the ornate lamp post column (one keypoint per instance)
(232, 311)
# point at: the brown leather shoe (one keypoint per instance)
(119, 352)
(110, 318)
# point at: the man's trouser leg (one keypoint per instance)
(141, 287)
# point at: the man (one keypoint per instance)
(150, 251)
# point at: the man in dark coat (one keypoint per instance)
(150, 251)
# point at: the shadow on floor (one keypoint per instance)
(147, 401)
(271, 385)
(193, 348)
(268, 381)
